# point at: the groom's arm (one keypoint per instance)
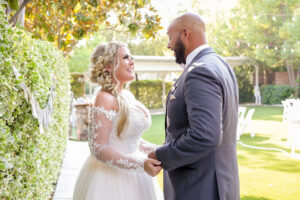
(204, 100)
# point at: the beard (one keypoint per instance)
(179, 52)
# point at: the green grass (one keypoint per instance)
(264, 174)
(269, 113)
(155, 133)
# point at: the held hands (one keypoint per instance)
(152, 155)
(152, 167)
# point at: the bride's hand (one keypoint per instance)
(152, 167)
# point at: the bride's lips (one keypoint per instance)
(130, 70)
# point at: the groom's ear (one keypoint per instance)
(186, 33)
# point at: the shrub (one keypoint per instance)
(243, 74)
(149, 92)
(77, 84)
(29, 160)
(274, 94)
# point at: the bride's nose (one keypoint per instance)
(131, 61)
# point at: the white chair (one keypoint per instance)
(288, 107)
(287, 104)
(242, 111)
(247, 122)
(241, 119)
(294, 125)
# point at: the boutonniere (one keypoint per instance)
(172, 97)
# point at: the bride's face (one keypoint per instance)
(125, 71)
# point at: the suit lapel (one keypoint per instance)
(200, 54)
(178, 81)
(168, 98)
(166, 114)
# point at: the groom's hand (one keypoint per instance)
(152, 155)
(152, 167)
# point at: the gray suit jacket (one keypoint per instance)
(199, 156)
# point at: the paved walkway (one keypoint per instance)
(75, 155)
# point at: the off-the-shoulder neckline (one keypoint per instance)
(102, 108)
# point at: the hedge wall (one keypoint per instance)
(246, 91)
(149, 92)
(274, 94)
(77, 84)
(29, 160)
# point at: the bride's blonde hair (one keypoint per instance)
(102, 56)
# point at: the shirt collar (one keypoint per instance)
(192, 55)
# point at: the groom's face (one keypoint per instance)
(175, 44)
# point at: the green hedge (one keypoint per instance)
(77, 84)
(29, 160)
(274, 94)
(149, 92)
(243, 75)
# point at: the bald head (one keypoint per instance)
(189, 21)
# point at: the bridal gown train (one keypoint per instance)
(114, 170)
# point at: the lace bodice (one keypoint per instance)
(127, 151)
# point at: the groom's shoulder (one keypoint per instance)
(196, 64)
(203, 67)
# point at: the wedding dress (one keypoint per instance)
(114, 170)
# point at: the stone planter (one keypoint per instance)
(82, 120)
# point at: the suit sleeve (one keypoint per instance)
(204, 100)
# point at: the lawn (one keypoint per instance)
(264, 174)
(268, 113)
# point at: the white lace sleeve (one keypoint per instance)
(146, 146)
(100, 127)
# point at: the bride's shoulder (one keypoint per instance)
(128, 94)
(106, 100)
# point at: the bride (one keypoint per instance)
(118, 167)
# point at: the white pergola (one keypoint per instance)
(164, 65)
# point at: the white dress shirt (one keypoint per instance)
(192, 55)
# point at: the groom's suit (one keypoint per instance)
(199, 156)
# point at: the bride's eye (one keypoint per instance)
(127, 57)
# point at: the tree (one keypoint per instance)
(66, 22)
(18, 17)
(290, 33)
(264, 30)
(80, 57)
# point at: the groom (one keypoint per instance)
(199, 155)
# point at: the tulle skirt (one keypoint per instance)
(98, 181)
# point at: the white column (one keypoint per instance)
(256, 87)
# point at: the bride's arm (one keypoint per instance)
(146, 146)
(102, 117)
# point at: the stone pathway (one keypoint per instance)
(75, 155)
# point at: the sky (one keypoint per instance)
(169, 9)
